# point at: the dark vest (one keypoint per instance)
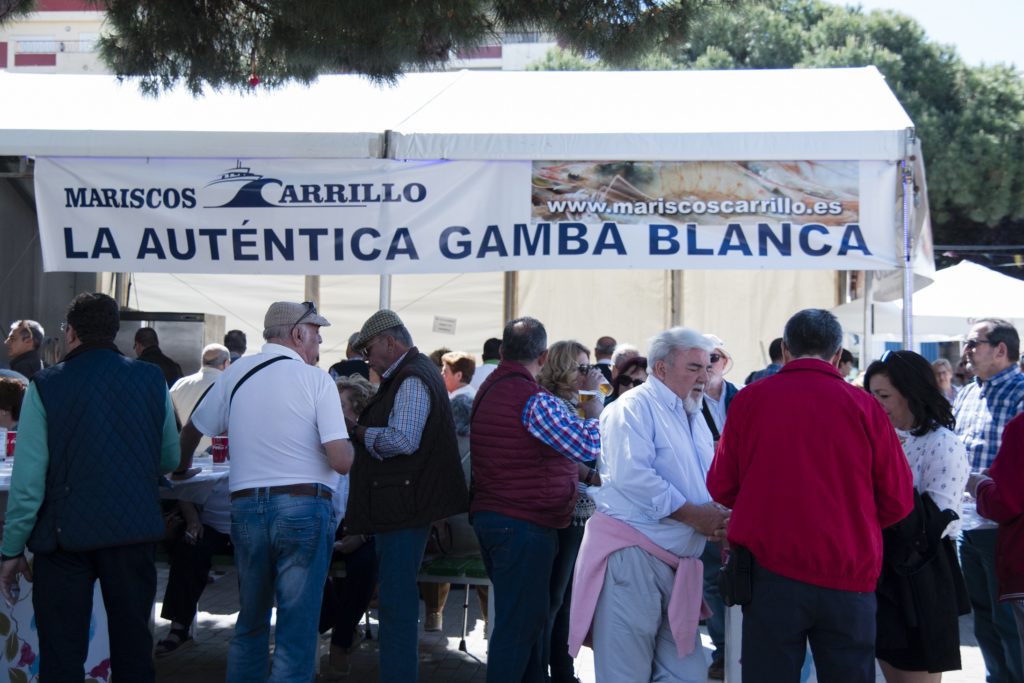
(407, 491)
(104, 417)
(514, 473)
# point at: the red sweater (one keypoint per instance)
(813, 471)
(1001, 499)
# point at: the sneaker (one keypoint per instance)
(176, 641)
(717, 670)
(433, 621)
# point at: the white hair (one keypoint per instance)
(664, 344)
(622, 353)
(215, 354)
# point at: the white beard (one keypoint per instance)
(692, 405)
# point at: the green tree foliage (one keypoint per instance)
(13, 9)
(970, 119)
(241, 43)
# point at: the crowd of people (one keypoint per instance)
(617, 498)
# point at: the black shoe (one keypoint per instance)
(717, 670)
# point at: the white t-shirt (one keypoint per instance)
(279, 420)
(187, 391)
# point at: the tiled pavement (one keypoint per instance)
(441, 660)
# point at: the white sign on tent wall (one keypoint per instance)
(373, 216)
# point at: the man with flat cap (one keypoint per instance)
(288, 444)
(406, 475)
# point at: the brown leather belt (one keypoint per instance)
(290, 490)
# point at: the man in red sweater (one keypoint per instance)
(813, 471)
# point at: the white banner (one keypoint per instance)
(324, 216)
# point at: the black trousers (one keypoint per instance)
(190, 565)
(62, 599)
(784, 615)
(346, 599)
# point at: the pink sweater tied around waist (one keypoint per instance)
(603, 536)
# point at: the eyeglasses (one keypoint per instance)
(365, 351)
(972, 344)
(584, 368)
(64, 326)
(627, 381)
(715, 357)
(310, 310)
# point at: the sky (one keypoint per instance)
(983, 31)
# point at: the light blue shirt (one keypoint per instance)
(654, 458)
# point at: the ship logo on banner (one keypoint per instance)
(251, 194)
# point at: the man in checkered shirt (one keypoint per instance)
(982, 409)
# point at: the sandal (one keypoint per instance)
(177, 639)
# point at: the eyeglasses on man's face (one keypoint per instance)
(972, 344)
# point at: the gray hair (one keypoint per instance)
(942, 363)
(523, 340)
(277, 332)
(664, 345)
(400, 333)
(814, 333)
(622, 353)
(215, 355)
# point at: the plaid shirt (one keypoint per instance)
(405, 423)
(982, 410)
(547, 418)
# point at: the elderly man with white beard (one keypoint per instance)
(638, 584)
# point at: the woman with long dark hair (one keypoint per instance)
(920, 572)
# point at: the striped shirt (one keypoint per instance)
(982, 410)
(547, 418)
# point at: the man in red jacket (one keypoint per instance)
(813, 471)
(1000, 495)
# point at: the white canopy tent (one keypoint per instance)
(946, 308)
(786, 115)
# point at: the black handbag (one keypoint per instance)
(734, 578)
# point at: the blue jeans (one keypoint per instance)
(519, 557)
(399, 555)
(712, 559)
(282, 551)
(994, 625)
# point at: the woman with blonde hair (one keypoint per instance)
(565, 373)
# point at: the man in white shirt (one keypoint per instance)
(288, 444)
(188, 391)
(655, 454)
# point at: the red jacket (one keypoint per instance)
(1001, 499)
(813, 471)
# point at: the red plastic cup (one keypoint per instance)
(220, 450)
(12, 438)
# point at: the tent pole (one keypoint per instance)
(869, 319)
(908, 272)
(510, 307)
(385, 291)
(312, 289)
